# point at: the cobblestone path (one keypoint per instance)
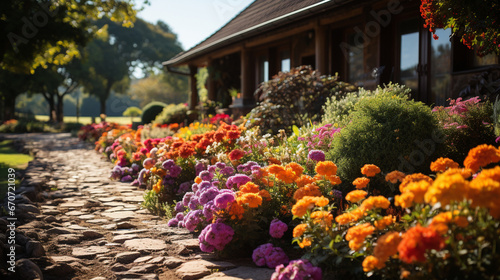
(72, 222)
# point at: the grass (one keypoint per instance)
(10, 158)
(87, 120)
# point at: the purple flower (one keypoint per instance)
(179, 207)
(224, 199)
(142, 176)
(238, 179)
(316, 155)
(497, 140)
(276, 257)
(179, 216)
(168, 164)
(277, 228)
(187, 198)
(211, 169)
(194, 202)
(127, 178)
(220, 165)
(208, 194)
(200, 166)
(217, 235)
(260, 253)
(206, 175)
(173, 222)
(135, 167)
(175, 171)
(298, 270)
(194, 187)
(204, 185)
(337, 194)
(192, 219)
(209, 209)
(184, 187)
(135, 183)
(227, 171)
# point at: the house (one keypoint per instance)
(367, 42)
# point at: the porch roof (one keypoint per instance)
(258, 17)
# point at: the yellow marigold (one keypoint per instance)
(323, 218)
(384, 222)
(265, 194)
(370, 170)
(404, 200)
(375, 202)
(440, 221)
(335, 180)
(413, 178)
(299, 230)
(442, 164)
(158, 186)
(253, 200)
(355, 196)
(395, 176)
(371, 263)
(326, 168)
(357, 234)
(493, 173)
(303, 205)
(305, 242)
(296, 168)
(197, 180)
(481, 156)
(418, 189)
(249, 187)
(484, 192)
(464, 172)
(447, 188)
(387, 246)
(304, 180)
(361, 182)
(308, 190)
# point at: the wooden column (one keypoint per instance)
(246, 81)
(320, 49)
(193, 98)
(210, 81)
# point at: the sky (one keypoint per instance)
(192, 20)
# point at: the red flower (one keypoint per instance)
(416, 241)
(236, 154)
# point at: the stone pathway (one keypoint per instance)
(72, 222)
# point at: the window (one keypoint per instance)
(263, 69)
(408, 63)
(285, 61)
(440, 67)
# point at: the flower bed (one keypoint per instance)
(279, 200)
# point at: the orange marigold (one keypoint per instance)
(387, 246)
(361, 182)
(349, 217)
(371, 263)
(413, 178)
(384, 222)
(418, 189)
(236, 211)
(405, 200)
(299, 230)
(356, 235)
(493, 173)
(197, 180)
(249, 187)
(447, 188)
(265, 194)
(481, 156)
(440, 221)
(395, 176)
(253, 200)
(484, 192)
(323, 218)
(326, 168)
(442, 164)
(335, 180)
(296, 168)
(307, 203)
(308, 190)
(370, 170)
(158, 186)
(305, 242)
(275, 169)
(304, 180)
(355, 196)
(375, 202)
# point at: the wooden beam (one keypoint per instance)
(337, 17)
(277, 35)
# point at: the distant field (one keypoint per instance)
(10, 158)
(87, 120)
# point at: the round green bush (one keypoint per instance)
(151, 110)
(390, 131)
(172, 114)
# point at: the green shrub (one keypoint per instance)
(387, 130)
(172, 114)
(338, 107)
(132, 112)
(466, 124)
(293, 98)
(22, 126)
(151, 110)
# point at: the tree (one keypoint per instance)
(112, 60)
(11, 85)
(163, 87)
(132, 112)
(475, 22)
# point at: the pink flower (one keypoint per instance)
(260, 253)
(215, 236)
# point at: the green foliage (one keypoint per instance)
(168, 87)
(389, 131)
(172, 114)
(132, 112)
(201, 79)
(338, 107)
(293, 98)
(23, 126)
(466, 124)
(151, 110)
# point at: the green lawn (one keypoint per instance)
(87, 120)
(10, 158)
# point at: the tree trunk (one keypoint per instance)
(60, 108)
(52, 107)
(10, 106)
(103, 105)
